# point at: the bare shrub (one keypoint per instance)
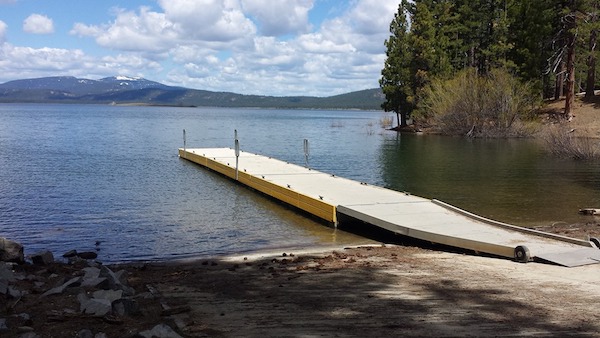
(386, 122)
(479, 106)
(565, 143)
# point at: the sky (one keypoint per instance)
(260, 47)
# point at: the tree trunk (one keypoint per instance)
(401, 119)
(591, 63)
(570, 94)
(559, 87)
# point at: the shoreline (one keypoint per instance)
(379, 290)
(372, 290)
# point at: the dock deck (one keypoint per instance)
(326, 196)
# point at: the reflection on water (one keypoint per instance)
(507, 180)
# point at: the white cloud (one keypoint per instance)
(190, 53)
(22, 62)
(26, 62)
(129, 64)
(273, 54)
(372, 17)
(38, 24)
(208, 20)
(278, 18)
(81, 29)
(317, 43)
(365, 26)
(146, 31)
(3, 28)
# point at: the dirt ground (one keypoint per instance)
(414, 290)
(586, 115)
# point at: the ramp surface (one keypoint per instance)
(325, 195)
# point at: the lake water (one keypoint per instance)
(72, 175)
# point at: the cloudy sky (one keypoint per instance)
(268, 47)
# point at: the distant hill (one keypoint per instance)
(126, 90)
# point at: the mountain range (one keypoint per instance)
(131, 90)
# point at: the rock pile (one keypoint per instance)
(11, 251)
(99, 292)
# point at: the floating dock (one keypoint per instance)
(328, 197)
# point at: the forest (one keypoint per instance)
(478, 66)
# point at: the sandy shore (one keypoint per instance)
(378, 291)
(369, 291)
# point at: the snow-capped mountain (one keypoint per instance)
(134, 90)
(77, 87)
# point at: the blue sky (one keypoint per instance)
(265, 47)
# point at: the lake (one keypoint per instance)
(74, 175)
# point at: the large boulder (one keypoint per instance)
(11, 251)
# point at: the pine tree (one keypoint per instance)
(532, 24)
(396, 80)
(423, 41)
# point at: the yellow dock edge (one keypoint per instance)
(311, 205)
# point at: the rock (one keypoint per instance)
(70, 253)
(121, 276)
(14, 293)
(97, 283)
(29, 335)
(73, 282)
(126, 307)
(87, 255)
(3, 286)
(78, 262)
(11, 251)
(100, 335)
(85, 333)
(92, 279)
(160, 331)
(110, 295)
(6, 272)
(3, 326)
(42, 258)
(96, 307)
(117, 281)
(91, 272)
(113, 280)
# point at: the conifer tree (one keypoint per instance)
(532, 27)
(396, 80)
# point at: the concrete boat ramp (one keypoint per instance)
(328, 197)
